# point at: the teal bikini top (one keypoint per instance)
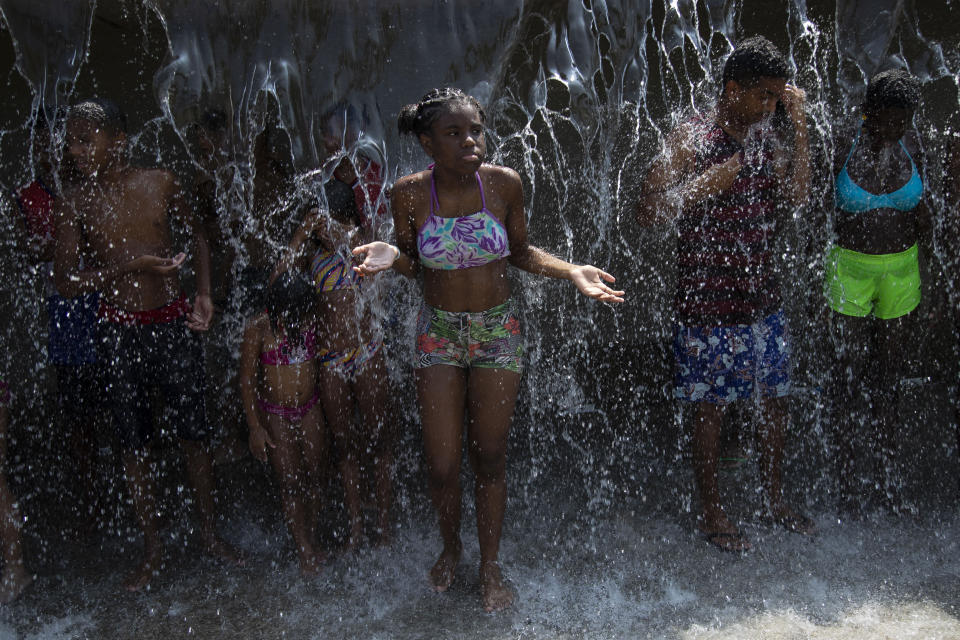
(853, 198)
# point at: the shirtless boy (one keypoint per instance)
(118, 219)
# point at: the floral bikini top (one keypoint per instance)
(462, 242)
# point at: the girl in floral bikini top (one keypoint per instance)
(469, 343)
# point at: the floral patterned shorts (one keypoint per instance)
(722, 364)
(491, 339)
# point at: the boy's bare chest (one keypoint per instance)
(118, 227)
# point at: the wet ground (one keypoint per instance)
(627, 566)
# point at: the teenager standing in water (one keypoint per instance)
(113, 236)
(726, 179)
(462, 221)
(873, 270)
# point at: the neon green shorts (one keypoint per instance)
(858, 283)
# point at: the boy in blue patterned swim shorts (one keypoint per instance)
(724, 183)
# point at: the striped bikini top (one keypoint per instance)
(331, 272)
(461, 242)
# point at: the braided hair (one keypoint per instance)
(418, 118)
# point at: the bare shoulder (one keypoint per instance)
(501, 180)
(410, 188)
(256, 326)
(159, 180)
(914, 143)
(843, 138)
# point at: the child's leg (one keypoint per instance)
(314, 451)
(15, 577)
(79, 395)
(139, 478)
(338, 403)
(373, 395)
(286, 461)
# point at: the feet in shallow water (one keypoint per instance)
(384, 537)
(729, 541)
(442, 573)
(497, 596)
(220, 550)
(354, 542)
(722, 534)
(311, 564)
(142, 575)
(14, 582)
(791, 521)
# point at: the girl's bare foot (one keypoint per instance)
(15, 581)
(441, 575)
(142, 576)
(497, 596)
(311, 565)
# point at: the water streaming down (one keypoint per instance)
(599, 539)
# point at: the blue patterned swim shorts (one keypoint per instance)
(722, 364)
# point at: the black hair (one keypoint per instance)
(102, 112)
(752, 59)
(418, 118)
(289, 299)
(341, 202)
(895, 88)
(213, 120)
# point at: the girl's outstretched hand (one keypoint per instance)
(378, 256)
(590, 281)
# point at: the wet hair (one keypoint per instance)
(213, 120)
(289, 299)
(752, 59)
(341, 202)
(102, 112)
(894, 88)
(418, 118)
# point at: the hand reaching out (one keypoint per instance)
(157, 265)
(590, 281)
(720, 177)
(378, 256)
(794, 99)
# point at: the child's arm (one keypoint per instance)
(179, 207)
(379, 256)
(71, 281)
(589, 280)
(249, 353)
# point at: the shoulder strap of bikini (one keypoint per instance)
(853, 146)
(483, 199)
(434, 200)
